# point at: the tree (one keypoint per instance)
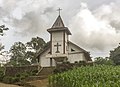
(105, 61)
(36, 45)
(1, 52)
(31, 56)
(2, 29)
(18, 58)
(25, 54)
(115, 55)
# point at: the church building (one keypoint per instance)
(60, 48)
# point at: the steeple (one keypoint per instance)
(59, 26)
(59, 37)
(58, 23)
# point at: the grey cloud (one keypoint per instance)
(96, 29)
(49, 10)
(7, 7)
(39, 15)
(30, 24)
(115, 24)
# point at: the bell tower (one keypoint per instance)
(59, 35)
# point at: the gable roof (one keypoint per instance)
(77, 46)
(87, 54)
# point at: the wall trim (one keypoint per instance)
(64, 42)
(50, 43)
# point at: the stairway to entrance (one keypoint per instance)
(44, 72)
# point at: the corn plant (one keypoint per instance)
(89, 76)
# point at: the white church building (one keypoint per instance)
(60, 48)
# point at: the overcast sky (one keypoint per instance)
(94, 24)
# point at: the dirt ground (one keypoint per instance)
(40, 83)
(8, 85)
(36, 83)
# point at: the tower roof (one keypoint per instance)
(59, 26)
(58, 23)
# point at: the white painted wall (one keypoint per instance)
(73, 56)
(76, 57)
(57, 37)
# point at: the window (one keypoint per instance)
(72, 50)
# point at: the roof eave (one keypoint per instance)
(50, 30)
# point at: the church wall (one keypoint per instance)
(75, 53)
(57, 37)
(44, 61)
(76, 57)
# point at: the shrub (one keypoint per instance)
(16, 79)
(8, 79)
(25, 74)
(21, 76)
(1, 75)
(34, 72)
(63, 67)
(82, 63)
(17, 75)
(76, 62)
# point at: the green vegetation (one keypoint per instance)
(25, 54)
(89, 76)
(65, 66)
(37, 44)
(14, 79)
(2, 29)
(115, 55)
(105, 61)
(19, 77)
(1, 73)
(21, 55)
(18, 58)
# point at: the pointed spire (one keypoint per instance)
(58, 23)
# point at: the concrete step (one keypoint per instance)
(46, 71)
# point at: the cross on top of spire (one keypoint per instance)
(59, 9)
